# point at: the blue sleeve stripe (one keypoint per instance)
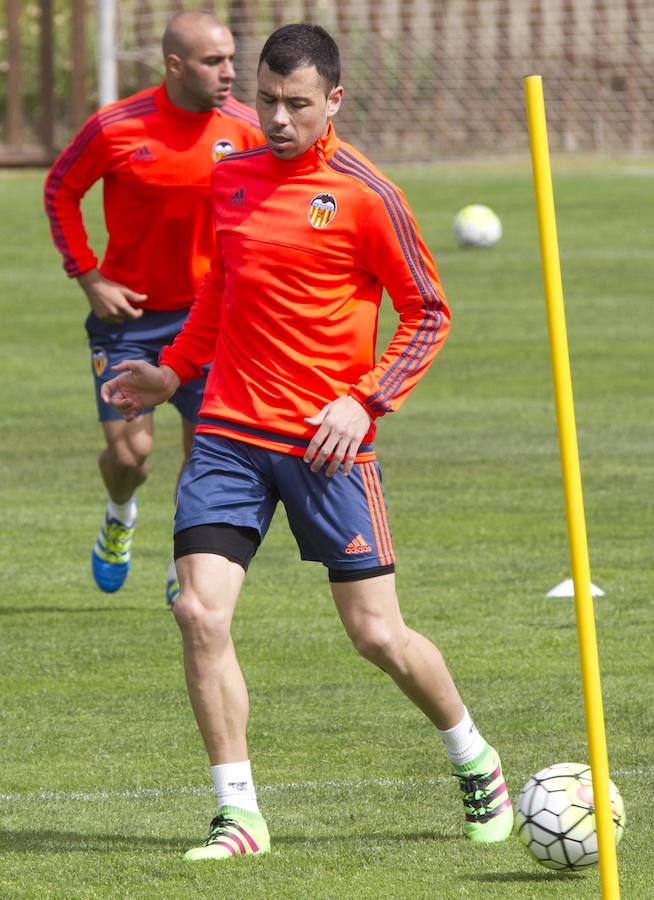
(410, 361)
(243, 154)
(236, 109)
(427, 334)
(403, 226)
(69, 157)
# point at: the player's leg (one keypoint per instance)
(210, 587)
(123, 461)
(123, 467)
(371, 615)
(344, 525)
(212, 557)
(370, 612)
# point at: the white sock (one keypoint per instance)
(234, 785)
(124, 512)
(171, 574)
(463, 743)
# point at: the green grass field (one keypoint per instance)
(104, 781)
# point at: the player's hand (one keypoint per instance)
(138, 387)
(342, 425)
(110, 301)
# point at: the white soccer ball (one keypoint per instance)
(477, 226)
(555, 816)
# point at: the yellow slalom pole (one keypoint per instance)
(587, 638)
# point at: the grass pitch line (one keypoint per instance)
(156, 793)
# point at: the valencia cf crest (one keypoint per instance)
(220, 149)
(99, 361)
(322, 210)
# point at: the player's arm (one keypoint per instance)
(195, 345)
(341, 426)
(139, 385)
(80, 165)
(392, 248)
(110, 301)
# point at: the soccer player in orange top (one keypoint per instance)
(155, 152)
(309, 231)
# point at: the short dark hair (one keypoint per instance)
(293, 46)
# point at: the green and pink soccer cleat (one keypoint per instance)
(233, 833)
(486, 801)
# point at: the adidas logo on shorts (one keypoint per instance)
(358, 545)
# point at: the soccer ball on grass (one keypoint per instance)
(477, 226)
(555, 816)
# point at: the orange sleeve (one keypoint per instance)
(78, 167)
(392, 249)
(195, 345)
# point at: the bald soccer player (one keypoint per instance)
(155, 152)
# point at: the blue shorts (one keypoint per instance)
(340, 521)
(142, 338)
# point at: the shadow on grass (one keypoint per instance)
(37, 610)
(48, 840)
(51, 841)
(388, 837)
(529, 877)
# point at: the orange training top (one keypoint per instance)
(156, 162)
(288, 312)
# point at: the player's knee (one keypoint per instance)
(377, 643)
(139, 447)
(201, 626)
(131, 454)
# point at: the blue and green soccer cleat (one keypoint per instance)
(486, 801)
(233, 833)
(110, 559)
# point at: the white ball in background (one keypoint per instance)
(477, 226)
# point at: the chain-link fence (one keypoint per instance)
(430, 79)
